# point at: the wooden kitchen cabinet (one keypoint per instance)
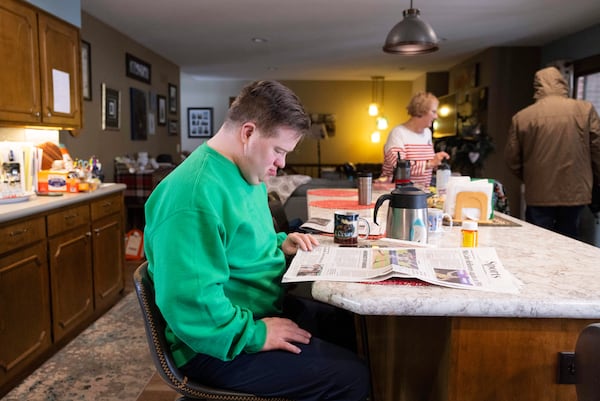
(41, 58)
(25, 329)
(60, 269)
(71, 276)
(107, 249)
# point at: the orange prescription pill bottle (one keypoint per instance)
(470, 234)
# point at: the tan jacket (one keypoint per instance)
(554, 145)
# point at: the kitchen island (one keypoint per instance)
(434, 343)
(61, 267)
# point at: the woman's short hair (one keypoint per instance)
(420, 104)
(269, 104)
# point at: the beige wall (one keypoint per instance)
(108, 48)
(349, 101)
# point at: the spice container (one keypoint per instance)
(470, 234)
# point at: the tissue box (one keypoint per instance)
(56, 181)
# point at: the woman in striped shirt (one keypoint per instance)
(413, 141)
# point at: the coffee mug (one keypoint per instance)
(345, 227)
(435, 219)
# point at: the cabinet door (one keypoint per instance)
(71, 280)
(108, 254)
(60, 64)
(24, 309)
(19, 67)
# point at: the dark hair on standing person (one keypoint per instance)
(269, 104)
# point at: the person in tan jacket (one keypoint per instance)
(553, 146)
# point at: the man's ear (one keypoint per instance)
(247, 130)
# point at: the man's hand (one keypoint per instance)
(281, 333)
(306, 242)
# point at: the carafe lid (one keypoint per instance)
(408, 197)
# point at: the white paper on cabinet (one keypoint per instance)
(61, 90)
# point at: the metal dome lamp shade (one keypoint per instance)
(411, 36)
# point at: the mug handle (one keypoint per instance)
(368, 228)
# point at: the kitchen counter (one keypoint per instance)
(40, 204)
(559, 276)
(442, 344)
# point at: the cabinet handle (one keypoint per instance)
(49, 114)
(17, 232)
(71, 216)
(37, 114)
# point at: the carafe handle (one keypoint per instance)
(379, 202)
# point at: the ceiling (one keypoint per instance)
(331, 39)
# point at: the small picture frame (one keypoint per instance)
(161, 109)
(139, 114)
(172, 99)
(138, 69)
(200, 122)
(173, 128)
(111, 108)
(86, 70)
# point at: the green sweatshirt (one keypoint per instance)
(214, 256)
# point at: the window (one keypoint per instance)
(587, 80)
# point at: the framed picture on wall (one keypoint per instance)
(111, 108)
(173, 127)
(86, 70)
(172, 99)
(139, 115)
(200, 122)
(138, 69)
(161, 109)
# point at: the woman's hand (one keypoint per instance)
(438, 158)
(306, 242)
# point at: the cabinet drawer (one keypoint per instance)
(106, 206)
(16, 235)
(67, 219)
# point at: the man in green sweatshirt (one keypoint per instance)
(217, 262)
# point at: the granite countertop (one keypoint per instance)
(40, 204)
(559, 276)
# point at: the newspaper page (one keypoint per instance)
(466, 268)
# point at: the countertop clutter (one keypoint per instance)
(46, 168)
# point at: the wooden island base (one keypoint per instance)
(468, 358)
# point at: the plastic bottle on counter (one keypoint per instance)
(441, 178)
(470, 234)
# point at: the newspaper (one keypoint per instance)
(465, 268)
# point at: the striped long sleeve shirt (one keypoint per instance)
(417, 148)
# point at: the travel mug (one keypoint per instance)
(365, 184)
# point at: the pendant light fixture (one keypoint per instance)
(411, 36)
(376, 106)
(376, 96)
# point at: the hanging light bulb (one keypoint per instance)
(382, 123)
(375, 137)
(376, 96)
(373, 109)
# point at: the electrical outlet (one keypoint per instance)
(566, 368)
